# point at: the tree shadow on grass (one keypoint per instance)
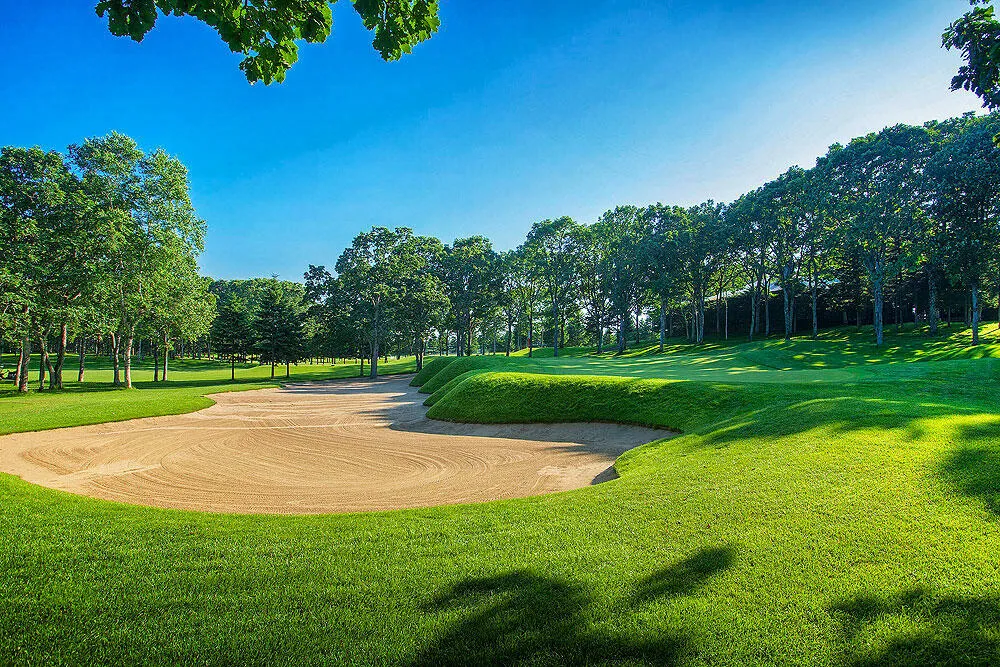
(974, 468)
(521, 617)
(685, 577)
(940, 630)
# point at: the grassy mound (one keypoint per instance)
(451, 384)
(504, 398)
(462, 365)
(430, 369)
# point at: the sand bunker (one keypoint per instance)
(313, 448)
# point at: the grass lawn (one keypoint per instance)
(826, 504)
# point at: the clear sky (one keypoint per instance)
(514, 112)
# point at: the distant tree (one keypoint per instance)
(553, 248)
(232, 332)
(371, 271)
(278, 327)
(746, 224)
(593, 264)
(423, 302)
(467, 269)
(660, 256)
(701, 248)
(266, 32)
(145, 219)
(49, 265)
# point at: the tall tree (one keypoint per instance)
(147, 222)
(372, 270)
(966, 177)
(552, 242)
(877, 185)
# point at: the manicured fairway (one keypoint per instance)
(826, 505)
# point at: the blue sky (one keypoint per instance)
(514, 112)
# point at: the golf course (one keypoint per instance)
(423, 332)
(824, 502)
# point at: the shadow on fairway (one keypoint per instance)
(974, 468)
(522, 617)
(940, 629)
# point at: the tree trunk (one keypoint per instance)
(128, 361)
(166, 356)
(373, 362)
(22, 365)
(877, 315)
(767, 311)
(975, 313)
(663, 321)
(156, 361)
(555, 329)
(83, 359)
(531, 332)
(115, 344)
(288, 369)
(57, 375)
(932, 312)
(815, 314)
(787, 297)
(621, 333)
(232, 367)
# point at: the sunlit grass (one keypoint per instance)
(827, 503)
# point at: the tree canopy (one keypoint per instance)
(267, 32)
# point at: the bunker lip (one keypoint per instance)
(315, 448)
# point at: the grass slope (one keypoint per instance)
(430, 369)
(451, 384)
(462, 365)
(809, 521)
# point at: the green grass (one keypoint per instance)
(431, 368)
(460, 365)
(825, 504)
(451, 384)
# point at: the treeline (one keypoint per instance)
(887, 223)
(101, 244)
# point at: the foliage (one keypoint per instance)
(266, 32)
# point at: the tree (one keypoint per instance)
(423, 302)
(147, 224)
(372, 270)
(877, 185)
(232, 331)
(552, 243)
(966, 177)
(266, 32)
(701, 249)
(622, 231)
(977, 35)
(660, 256)
(278, 327)
(593, 264)
(467, 269)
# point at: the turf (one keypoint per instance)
(451, 384)
(822, 506)
(431, 368)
